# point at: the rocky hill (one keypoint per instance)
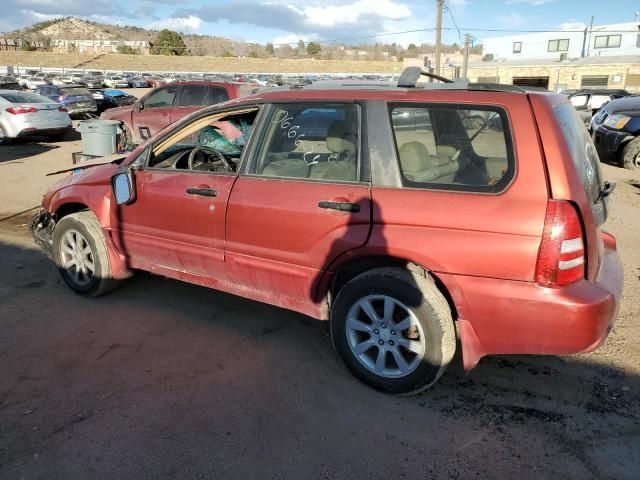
(72, 28)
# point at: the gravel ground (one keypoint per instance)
(162, 379)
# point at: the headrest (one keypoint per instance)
(337, 139)
(413, 156)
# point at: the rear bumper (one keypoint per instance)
(37, 132)
(507, 317)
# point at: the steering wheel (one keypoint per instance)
(220, 156)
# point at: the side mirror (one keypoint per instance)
(140, 105)
(123, 188)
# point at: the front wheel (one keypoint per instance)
(80, 253)
(393, 329)
(631, 155)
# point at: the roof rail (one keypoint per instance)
(410, 76)
(496, 87)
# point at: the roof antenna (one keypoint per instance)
(411, 75)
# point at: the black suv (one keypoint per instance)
(616, 131)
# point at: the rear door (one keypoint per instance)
(192, 98)
(302, 201)
(156, 113)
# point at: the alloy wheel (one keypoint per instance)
(385, 336)
(77, 258)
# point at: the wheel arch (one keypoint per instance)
(354, 266)
(68, 208)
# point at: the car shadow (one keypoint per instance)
(24, 149)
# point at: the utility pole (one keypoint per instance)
(438, 35)
(590, 30)
(465, 60)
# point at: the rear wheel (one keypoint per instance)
(393, 329)
(80, 253)
(4, 140)
(631, 155)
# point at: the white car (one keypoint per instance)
(116, 82)
(34, 82)
(62, 81)
(24, 114)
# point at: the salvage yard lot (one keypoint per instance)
(168, 380)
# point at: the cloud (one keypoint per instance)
(178, 24)
(511, 20)
(572, 26)
(335, 20)
(291, 39)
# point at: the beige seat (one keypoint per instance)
(342, 163)
(419, 166)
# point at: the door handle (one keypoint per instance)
(340, 206)
(205, 192)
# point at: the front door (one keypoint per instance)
(155, 114)
(301, 202)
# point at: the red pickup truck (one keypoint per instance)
(165, 105)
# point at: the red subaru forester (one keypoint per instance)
(407, 215)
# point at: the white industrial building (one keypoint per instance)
(604, 40)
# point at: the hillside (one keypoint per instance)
(163, 63)
(72, 28)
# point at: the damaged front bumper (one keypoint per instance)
(42, 230)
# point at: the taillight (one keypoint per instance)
(63, 109)
(21, 110)
(561, 255)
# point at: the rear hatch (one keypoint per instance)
(77, 97)
(586, 165)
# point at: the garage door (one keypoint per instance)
(542, 82)
(633, 82)
(594, 81)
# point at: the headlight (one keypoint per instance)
(617, 121)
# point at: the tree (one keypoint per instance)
(313, 49)
(169, 43)
(412, 46)
(127, 50)
(301, 47)
(270, 50)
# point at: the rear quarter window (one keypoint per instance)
(453, 147)
(583, 153)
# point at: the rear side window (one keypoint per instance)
(453, 147)
(217, 95)
(193, 95)
(583, 153)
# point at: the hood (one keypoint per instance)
(115, 159)
(116, 112)
(626, 106)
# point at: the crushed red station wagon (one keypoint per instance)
(408, 215)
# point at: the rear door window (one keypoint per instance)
(191, 95)
(451, 147)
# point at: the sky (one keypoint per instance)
(355, 21)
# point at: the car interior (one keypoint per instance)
(312, 143)
(212, 144)
(443, 147)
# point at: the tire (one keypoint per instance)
(58, 137)
(4, 140)
(83, 230)
(414, 301)
(631, 155)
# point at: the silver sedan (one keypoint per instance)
(24, 114)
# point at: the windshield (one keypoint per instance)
(75, 91)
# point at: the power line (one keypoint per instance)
(446, 7)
